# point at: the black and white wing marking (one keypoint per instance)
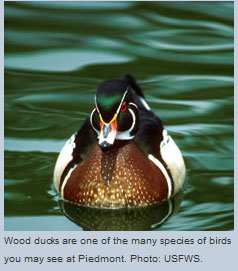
(64, 158)
(173, 158)
(73, 153)
(161, 150)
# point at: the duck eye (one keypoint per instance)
(123, 107)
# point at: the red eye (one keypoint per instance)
(123, 107)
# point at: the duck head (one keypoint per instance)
(115, 116)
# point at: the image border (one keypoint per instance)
(220, 258)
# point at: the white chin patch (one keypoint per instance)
(109, 139)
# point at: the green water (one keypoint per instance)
(56, 53)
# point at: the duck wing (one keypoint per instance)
(75, 150)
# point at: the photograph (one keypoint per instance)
(119, 116)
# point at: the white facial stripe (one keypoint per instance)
(162, 168)
(91, 120)
(133, 117)
(126, 134)
(123, 97)
(134, 105)
(96, 105)
(134, 120)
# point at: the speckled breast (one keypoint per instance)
(121, 177)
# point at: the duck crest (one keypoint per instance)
(121, 156)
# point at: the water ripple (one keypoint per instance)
(215, 26)
(31, 145)
(61, 60)
(187, 47)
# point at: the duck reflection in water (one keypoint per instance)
(123, 219)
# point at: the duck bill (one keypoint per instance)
(108, 133)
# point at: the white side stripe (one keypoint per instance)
(66, 179)
(161, 167)
(119, 107)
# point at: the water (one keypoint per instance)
(182, 55)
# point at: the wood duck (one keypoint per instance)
(121, 156)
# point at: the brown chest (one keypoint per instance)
(121, 177)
